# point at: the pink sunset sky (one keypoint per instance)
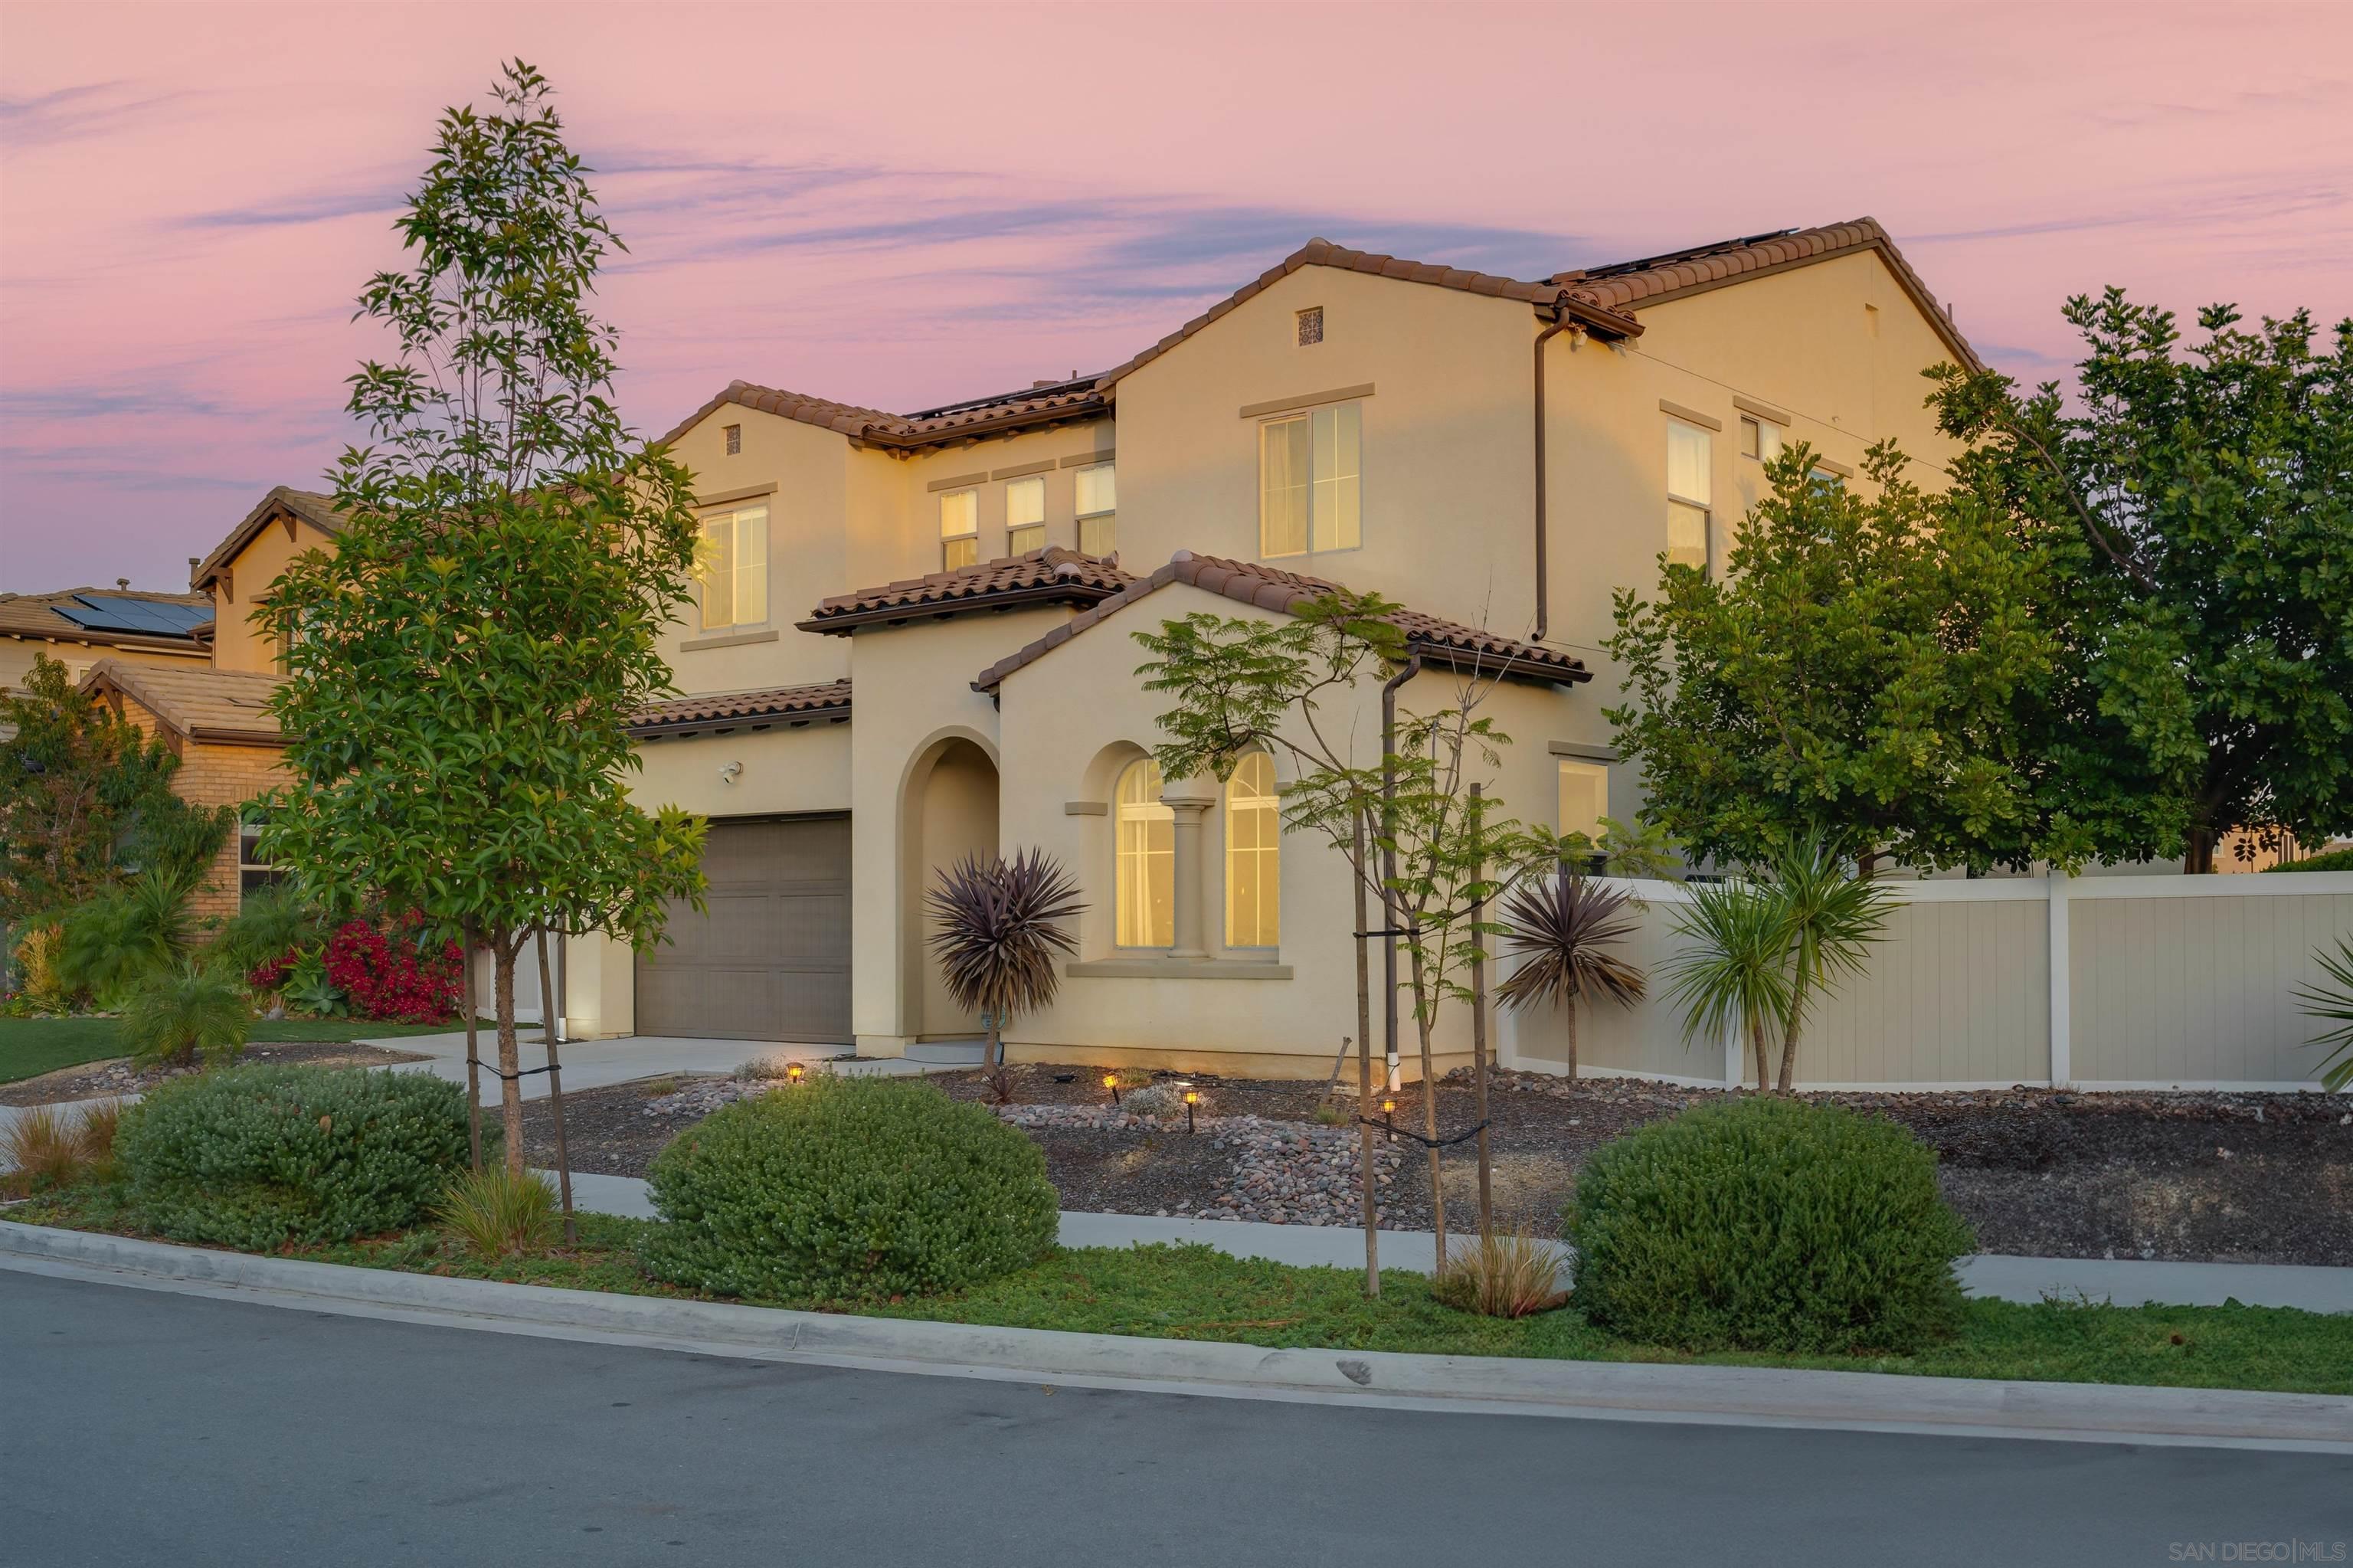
(902, 204)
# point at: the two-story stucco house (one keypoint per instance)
(913, 641)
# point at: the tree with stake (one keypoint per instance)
(461, 669)
(1239, 684)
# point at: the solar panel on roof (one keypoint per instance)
(132, 617)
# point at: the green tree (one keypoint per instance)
(2195, 505)
(463, 663)
(1876, 666)
(86, 800)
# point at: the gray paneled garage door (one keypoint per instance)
(771, 959)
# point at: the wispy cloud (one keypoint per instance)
(84, 111)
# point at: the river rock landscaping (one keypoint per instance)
(2252, 1177)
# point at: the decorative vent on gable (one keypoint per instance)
(734, 440)
(1310, 325)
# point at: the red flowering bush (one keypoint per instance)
(264, 979)
(392, 975)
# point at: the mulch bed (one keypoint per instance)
(101, 1080)
(2198, 1177)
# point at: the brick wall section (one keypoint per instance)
(214, 776)
(224, 776)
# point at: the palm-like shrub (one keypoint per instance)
(998, 930)
(271, 923)
(2331, 1001)
(1767, 1225)
(1563, 930)
(1833, 917)
(1735, 971)
(178, 1014)
(115, 941)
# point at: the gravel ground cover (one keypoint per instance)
(2195, 1177)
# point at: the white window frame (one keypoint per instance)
(1704, 505)
(969, 535)
(1345, 492)
(1022, 492)
(253, 873)
(1264, 930)
(1099, 528)
(1136, 855)
(736, 595)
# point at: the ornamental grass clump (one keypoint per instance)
(493, 1212)
(1767, 1225)
(259, 1157)
(848, 1189)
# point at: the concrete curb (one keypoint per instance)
(1742, 1395)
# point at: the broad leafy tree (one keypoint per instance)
(461, 667)
(2195, 502)
(1877, 666)
(86, 800)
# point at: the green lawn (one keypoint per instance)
(31, 1046)
(1197, 1293)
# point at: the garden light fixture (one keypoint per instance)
(1111, 1082)
(1192, 1098)
(794, 1072)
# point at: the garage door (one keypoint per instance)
(770, 959)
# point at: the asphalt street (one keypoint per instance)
(138, 1428)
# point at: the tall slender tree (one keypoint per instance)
(461, 667)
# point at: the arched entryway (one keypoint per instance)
(950, 814)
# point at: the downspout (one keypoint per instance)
(1544, 576)
(1411, 668)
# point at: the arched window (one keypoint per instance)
(1146, 871)
(1253, 854)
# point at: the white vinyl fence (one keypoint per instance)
(2110, 982)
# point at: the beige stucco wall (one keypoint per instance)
(239, 641)
(18, 653)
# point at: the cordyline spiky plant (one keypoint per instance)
(1563, 930)
(998, 930)
(2331, 1001)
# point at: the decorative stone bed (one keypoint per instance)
(2199, 1177)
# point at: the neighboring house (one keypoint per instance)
(213, 711)
(1497, 455)
(218, 724)
(78, 627)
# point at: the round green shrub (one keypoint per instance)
(256, 1156)
(846, 1189)
(1767, 1225)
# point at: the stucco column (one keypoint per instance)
(1190, 799)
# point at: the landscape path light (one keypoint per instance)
(1192, 1098)
(1111, 1082)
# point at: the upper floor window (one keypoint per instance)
(734, 568)
(1145, 877)
(1025, 515)
(1311, 481)
(1253, 855)
(1759, 439)
(1098, 509)
(1584, 798)
(959, 529)
(1691, 468)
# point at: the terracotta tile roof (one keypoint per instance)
(283, 501)
(1437, 640)
(733, 708)
(1628, 286)
(1050, 576)
(1324, 254)
(1606, 298)
(201, 703)
(39, 614)
(1055, 404)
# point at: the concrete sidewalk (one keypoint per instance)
(2126, 1282)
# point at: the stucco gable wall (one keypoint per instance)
(239, 641)
(1070, 722)
(1446, 480)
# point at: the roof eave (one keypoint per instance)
(1086, 595)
